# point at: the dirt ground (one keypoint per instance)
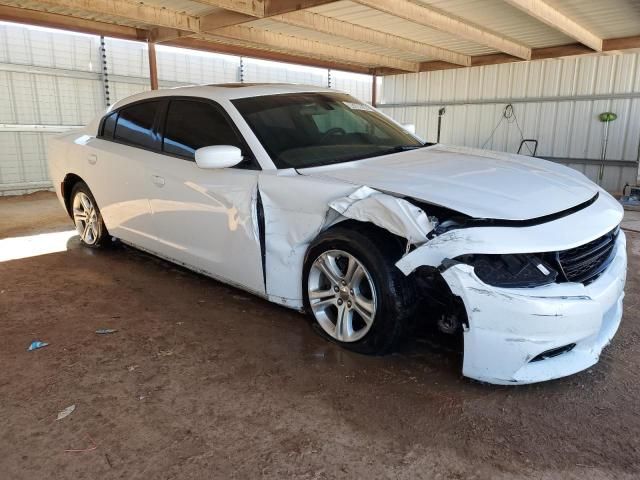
(204, 381)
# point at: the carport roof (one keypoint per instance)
(367, 36)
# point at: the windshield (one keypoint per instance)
(300, 130)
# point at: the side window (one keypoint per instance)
(109, 125)
(192, 125)
(135, 124)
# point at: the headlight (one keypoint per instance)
(514, 271)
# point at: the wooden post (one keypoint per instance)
(374, 89)
(153, 66)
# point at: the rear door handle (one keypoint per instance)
(157, 180)
(92, 158)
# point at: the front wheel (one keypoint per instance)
(355, 293)
(87, 217)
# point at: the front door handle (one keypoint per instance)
(157, 180)
(92, 158)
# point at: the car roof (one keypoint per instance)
(225, 91)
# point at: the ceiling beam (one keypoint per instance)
(431, 18)
(339, 28)
(73, 24)
(544, 12)
(247, 51)
(312, 48)
(624, 43)
(133, 11)
(263, 8)
(238, 12)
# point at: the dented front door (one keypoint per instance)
(206, 219)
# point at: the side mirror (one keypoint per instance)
(409, 127)
(218, 156)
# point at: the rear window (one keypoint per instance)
(135, 124)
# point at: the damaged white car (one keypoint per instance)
(316, 201)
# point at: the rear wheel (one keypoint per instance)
(355, 293)
(87, 217)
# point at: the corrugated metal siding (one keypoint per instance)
(556, 101)
(53, 78)
(46, 78)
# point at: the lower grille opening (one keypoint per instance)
(554, 352)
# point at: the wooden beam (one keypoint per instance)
(73, 24)
(624, 43)
(225, 18)
(339, 28)
(163, 34)
(237, 12)
(256, 52)
(544, 12)
(437, 65)
(560, 51)
(133, 11)
(431, 18)
(153, 66)
(264, 8)
(312, 48)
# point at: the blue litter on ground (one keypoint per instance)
(36, 345)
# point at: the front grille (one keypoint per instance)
(585, 263)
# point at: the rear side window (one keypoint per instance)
(109, 125)
(135, 124)
(192, 125)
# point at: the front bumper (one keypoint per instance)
(508, 328)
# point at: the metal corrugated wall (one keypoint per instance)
(52, 81)
(556, 101)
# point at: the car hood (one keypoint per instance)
(478, 183)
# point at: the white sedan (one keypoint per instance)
(316, 201)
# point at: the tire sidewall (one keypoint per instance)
(387, 323)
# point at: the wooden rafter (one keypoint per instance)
(554, 18)
(457, 27)
(74, 24)
(304, 46)
(263, 8)
(339, 28)
(133, 11)
(244, 11)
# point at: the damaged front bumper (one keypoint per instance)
(527, 335)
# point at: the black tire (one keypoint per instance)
(101, 237)
(378, 251)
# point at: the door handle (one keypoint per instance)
(92, 158)
(157, 180)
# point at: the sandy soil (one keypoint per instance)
(204, 381)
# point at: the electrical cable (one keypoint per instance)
(508, 114)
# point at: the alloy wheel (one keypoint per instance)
(85, 217)
(342, 295)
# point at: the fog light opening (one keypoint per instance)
(554, 352)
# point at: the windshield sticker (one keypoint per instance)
(357, 106)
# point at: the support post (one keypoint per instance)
(153, 65)
(374, 89)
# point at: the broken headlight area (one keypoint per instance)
(511, 271)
